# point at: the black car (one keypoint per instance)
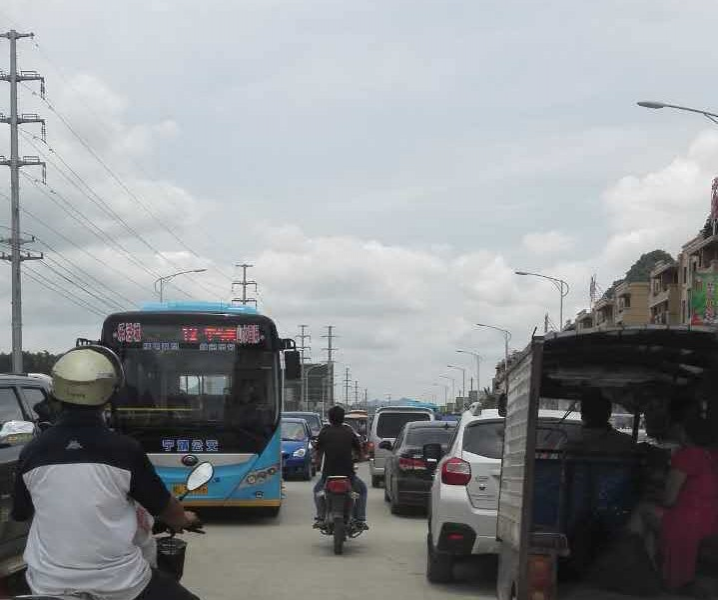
(25, 407)
(409, 474)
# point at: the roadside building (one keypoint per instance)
(698, 280)
(603, 313)
(631, 304)
(584, 320)
(664, 299)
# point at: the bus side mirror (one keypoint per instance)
(292, 365)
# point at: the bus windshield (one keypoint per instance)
(192, 400)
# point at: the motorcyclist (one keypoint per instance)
(81, 484)
(337, 443)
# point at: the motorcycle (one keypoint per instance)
(171, 551)
(339, 522)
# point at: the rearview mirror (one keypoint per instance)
(385, 445)
(201, 475)
(17, 432)
(292, 365)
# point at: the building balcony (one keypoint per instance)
(664, 295)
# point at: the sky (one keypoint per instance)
(385, 165)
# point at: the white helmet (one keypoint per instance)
(87, 375)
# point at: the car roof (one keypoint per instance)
(384, 409)
(301, 412)
(26, 378)
(430, 424)
(492, 414)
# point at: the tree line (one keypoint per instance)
(33, 362)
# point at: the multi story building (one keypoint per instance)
(664, 299)
(584, 320)
(603, 313)
(698, 281)
(631, 304)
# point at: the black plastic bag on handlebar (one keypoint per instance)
(170, 556)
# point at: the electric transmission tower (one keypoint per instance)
(17, 256)
(244, 283)
(303, 349)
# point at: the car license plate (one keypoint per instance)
(181, 488)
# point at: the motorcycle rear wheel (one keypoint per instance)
(339, 535)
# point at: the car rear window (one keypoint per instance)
(390, 423)
(420, 436)
(315, 423)
(486, 439)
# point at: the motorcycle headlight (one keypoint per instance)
(301, 453)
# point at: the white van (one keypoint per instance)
(386, 425)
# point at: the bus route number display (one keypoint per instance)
(206, 336)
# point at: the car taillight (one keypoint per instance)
(455, 472)
(338, 486)
(411, 464)
(370, 449)
(541, 579)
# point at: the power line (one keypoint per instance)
(86, 190)
(65, 121)
(49, 284)
(101, 122)
(105, 265)
(111, 304)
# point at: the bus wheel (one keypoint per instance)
(375, 481)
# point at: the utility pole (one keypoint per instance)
(347, 382)
(356, 393)
(330, 350)
(16, 256)
(545, 323)
(245, 283)
(303, 337)
(366, 398)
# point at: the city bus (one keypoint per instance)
(204, 383)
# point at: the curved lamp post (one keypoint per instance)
(561, 286)
(162, 280)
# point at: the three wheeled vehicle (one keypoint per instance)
(561, 510)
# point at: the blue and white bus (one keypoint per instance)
(204, 382)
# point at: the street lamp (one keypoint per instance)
(463, 378)
(477, 356)
(507, 337)
(453, 386)
(305, 381)
(561, 286)
(162, 280)
(656, 105)
(446, 391)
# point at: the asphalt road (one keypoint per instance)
(250, 558)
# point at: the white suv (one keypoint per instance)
(465, 492)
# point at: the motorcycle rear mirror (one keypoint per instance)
(201, 475)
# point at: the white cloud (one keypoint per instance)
(548, 242)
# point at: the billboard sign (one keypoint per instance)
(704, 299)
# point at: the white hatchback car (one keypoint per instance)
(465, 492)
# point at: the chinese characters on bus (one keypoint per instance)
(129, 332)
(190, 445)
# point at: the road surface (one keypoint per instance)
(244, 558)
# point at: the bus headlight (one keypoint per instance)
(301, 453)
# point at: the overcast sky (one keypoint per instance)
(385, 164)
